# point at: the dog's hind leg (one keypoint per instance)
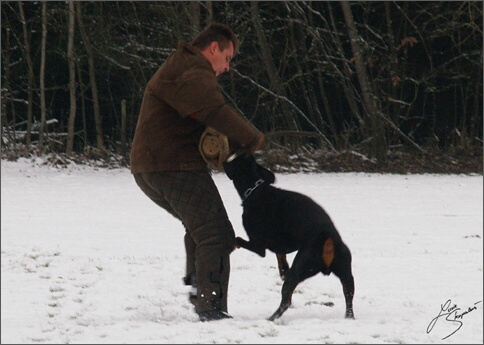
(349, 291)
(283, 265)
(342, 269)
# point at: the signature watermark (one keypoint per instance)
(452, 313)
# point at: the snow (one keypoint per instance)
(87, 258)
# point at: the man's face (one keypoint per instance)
(220, 60)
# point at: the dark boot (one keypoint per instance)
(224, 282)
(213, 315)
(212, 288)
(192, 280)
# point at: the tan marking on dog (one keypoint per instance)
(328, 252)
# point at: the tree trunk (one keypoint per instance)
(72, 79)
(378, 147)
(209, 6)
(290, 122)
(82, 97)
(31, 76)
(294, 38)
(351, 97)
(7, 97)
(311, 27)
(43, 110)
(195, 17)
(92, 79)
(392, 85)
(123, 128)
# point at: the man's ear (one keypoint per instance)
(213, 47)
(266, 174)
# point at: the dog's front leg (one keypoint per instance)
(283, 265)
(253, 246)
(287, 290)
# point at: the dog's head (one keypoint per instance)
(244, 171)
(245, 166)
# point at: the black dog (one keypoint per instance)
(285, 221)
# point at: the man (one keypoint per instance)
(181, 100)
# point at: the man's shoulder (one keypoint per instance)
(187, 50)
(186, 56)
(185, 64)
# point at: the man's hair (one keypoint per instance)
(216, 32)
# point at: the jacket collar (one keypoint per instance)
(185, 46)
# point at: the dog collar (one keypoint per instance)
(249, 191)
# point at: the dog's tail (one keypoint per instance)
(328, 252)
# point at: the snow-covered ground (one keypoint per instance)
(86, 257)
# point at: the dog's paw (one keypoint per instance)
(349, 314)
(238, 242)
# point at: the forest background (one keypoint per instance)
(335, 85)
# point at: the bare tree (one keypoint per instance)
(195, 17)
(6, 94)
(378, 146)
(290, 122)
(92, 78)
(31, 77)
(72, 79)
(208, 5)
(352, 96)
(43, 110)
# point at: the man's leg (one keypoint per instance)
(195, 198)
(201, 208)
(213, 268)
(157, 197)
(191, 277)
(190, 248)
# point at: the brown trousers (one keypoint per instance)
(193, 198)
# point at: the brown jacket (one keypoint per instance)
(180, 101)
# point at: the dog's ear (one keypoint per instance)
(232, 165)
(266, 174)
(229, 170)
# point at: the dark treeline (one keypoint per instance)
(318, 75)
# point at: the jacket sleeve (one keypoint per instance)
(227, 121)
(198, 92)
